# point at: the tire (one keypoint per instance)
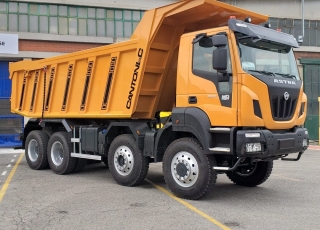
(36, 150)
(104, 160)
(185, 158)
(253, 175)
(126, 163)
(59, 157)
(80, 164)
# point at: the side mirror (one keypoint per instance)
(219, 40)
(220, 59)
(220, 62)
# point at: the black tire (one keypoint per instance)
(105, 161)
(185, 158)
(126, 163)
(60, 147)
(36, 150)
(253, 175)
(80, 164)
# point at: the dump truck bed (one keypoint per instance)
(131, 79)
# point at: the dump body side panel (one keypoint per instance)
(92, 83)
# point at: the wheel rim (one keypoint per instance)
(184, 169)
(246, 171)
(123, 160)
(33, 150)
(57, 153)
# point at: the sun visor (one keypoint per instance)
(262, 32)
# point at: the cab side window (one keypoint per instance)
(202, 66)
(202, 58)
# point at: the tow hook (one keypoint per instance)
(292, 159)
(234, 167)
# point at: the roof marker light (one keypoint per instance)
(232, 17)
(268, 25)
(248, 20)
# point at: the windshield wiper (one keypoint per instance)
(262, 72)
(286, 75)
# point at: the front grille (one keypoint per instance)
(282, 110)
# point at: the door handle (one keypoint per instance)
(193, 100)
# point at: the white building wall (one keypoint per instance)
(124, 4)
(280, 8)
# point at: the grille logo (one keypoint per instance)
(286, 96)
(284, 82)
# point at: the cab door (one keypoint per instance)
(210, 90)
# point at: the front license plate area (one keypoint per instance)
(286, 143)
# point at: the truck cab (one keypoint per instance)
(245, 79)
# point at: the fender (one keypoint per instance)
(193, 120)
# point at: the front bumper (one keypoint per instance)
(273, 143)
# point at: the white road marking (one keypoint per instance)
(4, 173)
(15, 156)
(12, 160)
(9, 166)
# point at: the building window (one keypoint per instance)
(68, 20)
(294, 27)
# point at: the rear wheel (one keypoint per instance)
(187, 170)
(126, 163)
(252, 175)
(36, 150)
(59, 156)
(80, 164)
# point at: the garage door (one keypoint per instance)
(11, 125)
(311, 79)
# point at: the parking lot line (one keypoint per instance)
(284, 177)
(214, 221)
(7, 182)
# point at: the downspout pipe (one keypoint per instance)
(302, 13)
(301, 37)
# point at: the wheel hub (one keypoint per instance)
(123, 160)
(33, 150)
(185, 169)
(57, 153)
(182, 170)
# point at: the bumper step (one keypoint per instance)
(86, 156)
(220, 149)
(220, 130)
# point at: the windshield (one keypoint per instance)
(267, 57)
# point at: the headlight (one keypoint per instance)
(253, 147)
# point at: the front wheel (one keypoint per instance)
(252, 175)
(187, 170)
(126, 163)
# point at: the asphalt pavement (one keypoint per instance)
(29, 199)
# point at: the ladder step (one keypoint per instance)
(86, 156)
(221, 168)
(75, 140)
(220, 149)
(220, 130)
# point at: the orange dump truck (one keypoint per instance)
(231, 86)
